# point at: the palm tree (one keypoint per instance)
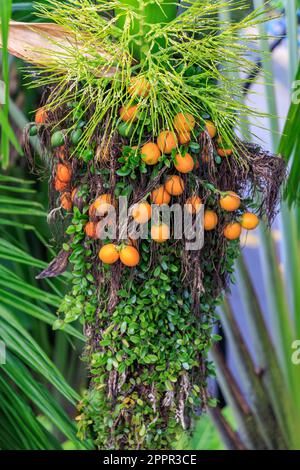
(269, 421)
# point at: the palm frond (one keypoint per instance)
(33, 390)
(290, 144)
(7, 135)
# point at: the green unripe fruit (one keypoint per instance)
(125, 130)
(33, 131)
(88, 155)
(76, 136)
(81, 124)
(57, 139)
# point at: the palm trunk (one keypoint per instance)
(149, 14)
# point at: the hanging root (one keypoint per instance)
(266, 175)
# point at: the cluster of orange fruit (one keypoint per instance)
(111, 253)
(63, 176)
(230, 202)
(160, 232)
(166, 142)
(183, 124)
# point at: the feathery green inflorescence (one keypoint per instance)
(182, 58)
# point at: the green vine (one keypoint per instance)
(154, 341)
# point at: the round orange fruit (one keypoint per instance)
(141, 212)
(222, 152)
(174, 185)
(230, 202)
(129, 256)
(210, 220)
(193, 204)
(139, 86)
(184, 163)
(109, 253)
(150, 153)
(160, 196)
(41, 116)
(101, 206)
(184, 122)
(63, 172)
(129, 113)
(90, 229)
(66, 201)
(167, 141)
(60, 185)
(184, 137)
(211, 129)
(249, 221)
(232, 231)
(160, 233)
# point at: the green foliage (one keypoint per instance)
(289, 147)
(7, 134)
(81, 300)
(32, 388)
(152, 338)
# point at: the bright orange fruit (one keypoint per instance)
(174, 185)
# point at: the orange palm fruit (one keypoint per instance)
(101, 206)
(210, 220)
(184, 164)
(232, 231)
(249, 221)
(90, 229)
(41, 116)
(150, 153)
(160, 233)
(139, 86)
(184, 122)
(224, 152)
(184, 137)
(230, 202)
(60, 185)
(211, 129)
(174, 185)
(66, 201)
(109, 253)
(193, 204)
(141, 212)
(129, 256)
(63, 172)
(129, 113)
(160, 196)
(167, 141)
